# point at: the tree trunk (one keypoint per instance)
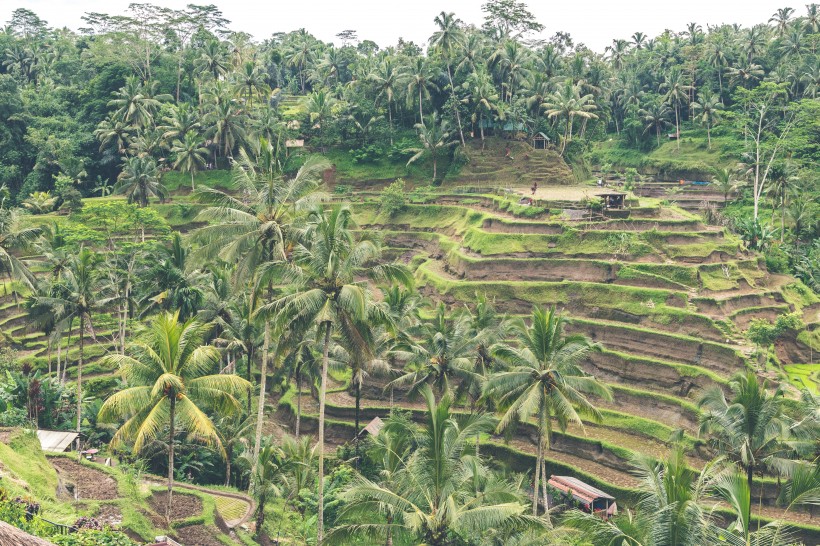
(260, 411)
(435, 171)
(80, 379)
(390, 117)
(709, 136)
(389, 530)
(782, 215)
(249, 358)
(455, 106)
(49, 356)
(298, 399)
(228, 453)
(171, 458)
(677, 126)
(421, 112)
(59, 354)
(358, 410)
(193, 187)
(322, 391)
(537, 476)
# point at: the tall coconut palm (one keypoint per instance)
(444, 356)
(750, 427)
(172, 380)
(677, 92)
(136, 103)
(253, 230)
(249, 82)
(655, 117)
(545, 381)
(182, 120)
(446, 40)
(387, 77)
(213, 59)
(77, 298)
(140, 180)
(225, 123)
(568, 103)
(191, 154)
(482, 97)
(323, 290)
(320, 106)
(708, 109)
(420, 82)
(435, 137)
(437, 492)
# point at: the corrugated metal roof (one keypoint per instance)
(373, 427)
(55, 441)
(578, 486)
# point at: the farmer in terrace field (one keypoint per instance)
(534, 187)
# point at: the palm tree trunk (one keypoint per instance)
(260, 411)
(358, 409)
(455, 107)
(390, 117)
(249, 358)
(537, 476)
(322, 391)
(677, 126)
(49, 356)
(421, 112)
(59, 354)
(298, 398)
(389, 530)
(709, 136)
(173, 401)
(782, 215)
(193, 186)
(80, 379)
(228, 453)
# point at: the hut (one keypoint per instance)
(12, 536)
(613, 199)
(588, 498)
(372, 428)
(540, 141)
(56, 441)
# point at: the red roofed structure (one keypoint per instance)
(590, 499)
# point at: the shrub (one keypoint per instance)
(93, 538)
(777, 261)
(393, 198)
(367, 154)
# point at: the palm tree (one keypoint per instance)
(483, 98)
(253, 230)
(781, 20)
(386, 78)
(213, 59)
(545, 381)
(182, 120)
(139, 180)
(568, 103)
(191, 155)
(655, 117)
(171, 382)
(77, 298)
(708, 108)
(435, 137)
(726, 181)
(250, 82)
(301, 53)
(676, 93)
(323, 290)
(320, 106)
(750, 427)
(445, 352)
(136, 103)
(266, 482)
(226, 126)
(420, 76)
(446, 40)
(436, 492)
(671, 510)
(13, 237)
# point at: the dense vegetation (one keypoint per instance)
(207, 325)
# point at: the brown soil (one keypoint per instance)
(183, 506)
(109, 514)
(89, 483)
(198, 535)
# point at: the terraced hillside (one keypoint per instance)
(666, 296)
(502, 162)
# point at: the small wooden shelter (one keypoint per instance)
(56, 441)
(372, 428)
(589, 498)
(540, 141)
(12, 536)
(613, 199)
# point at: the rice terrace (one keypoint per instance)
(490, 287)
